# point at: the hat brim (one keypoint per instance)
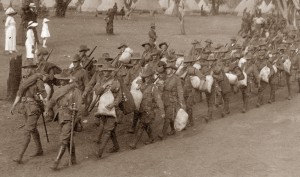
(107, 69)
(161, 44)
(84, 50)
(122, 46)
(146, 44)
(33, 25)
(11, 13)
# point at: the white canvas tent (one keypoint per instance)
(170, 9)
(49, 3)
(224, 8)
(204, 4)
(263, 7)
(164, 3)
(190, 5)
(150, 5)
(73, 3)
(90, 5)
(249, 4)
(15, 3)
(269, 8)
(108, 4)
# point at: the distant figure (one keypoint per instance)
(122, 13)
(110, 21)
(10, 31)
(30, 40)
(1, 6)
(32, 16)
(203, 13)
(152, 35)
(45, 32)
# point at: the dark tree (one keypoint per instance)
(61, 7)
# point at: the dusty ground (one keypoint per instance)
(262, 142)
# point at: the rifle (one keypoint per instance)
(88, 64)
(40, 104)
(92, 51)
(93, 104)
(74, 110)
(49, 54)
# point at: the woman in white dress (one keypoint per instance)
(45, 32)
(10, 30)
(30, 40)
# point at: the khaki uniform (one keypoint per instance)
(31, 109)
(173, 100)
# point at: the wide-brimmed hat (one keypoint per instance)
(32, 24)
(171, 65)
(233, 38)
(76, 58)
(209, 41)
(43, 52)
(32, 5)
(83, 48)
(195, 42)
(218, 46)
(46, 20)
(64, 75)
(29, 64)
(146, 43)
(107, 57)
(122, 45)
(163, 43)
(136, 56)
(198, 46)
(107, 67)
(10, 11)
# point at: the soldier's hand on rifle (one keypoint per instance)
(110, 106)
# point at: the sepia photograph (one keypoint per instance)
(150, 88)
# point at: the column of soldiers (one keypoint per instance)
(165, 84)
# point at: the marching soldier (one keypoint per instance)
(151, 100)
(173, 100)
(109, 82)
(193, 52)
(146, 56)
(82, 79)
(28, 97)
(67, 99)
(273, 81)
(163, 49)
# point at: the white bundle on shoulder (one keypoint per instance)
(197, 66)
(232, 78)
(287, 65)
(195, 80)
(206, 86)
(181, 120)
(136, 92)
(126, 55)
(241, 62)
(264, 74)
(179, 61)
(244, 81)
(106, 99)
(275, 68)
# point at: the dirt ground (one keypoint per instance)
(262, 142)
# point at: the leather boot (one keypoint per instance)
(72, 153)
(24, 147)
(61, 152)
(172, 132)
(103, 144)
(191, 118)
(101, 128)
(137, 138)
(164, 130)
(149, 132)
(136, 116)
(114, 140)
(37, 141)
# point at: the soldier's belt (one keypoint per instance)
(28, 99)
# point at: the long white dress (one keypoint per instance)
(10, 34)
(45, 31)
(30, 42)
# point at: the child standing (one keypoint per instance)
(45, 32)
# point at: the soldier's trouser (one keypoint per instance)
(260, 94)
(225, 97)
(30, 129)
(210, 99)
(170, 114)
(143, 126)
(272, 89)
(100, 132)
(288, 83)
(110, 126)
(65, 134)
(189, 108)
(298, 84)
(245, 95)
(136, 116)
